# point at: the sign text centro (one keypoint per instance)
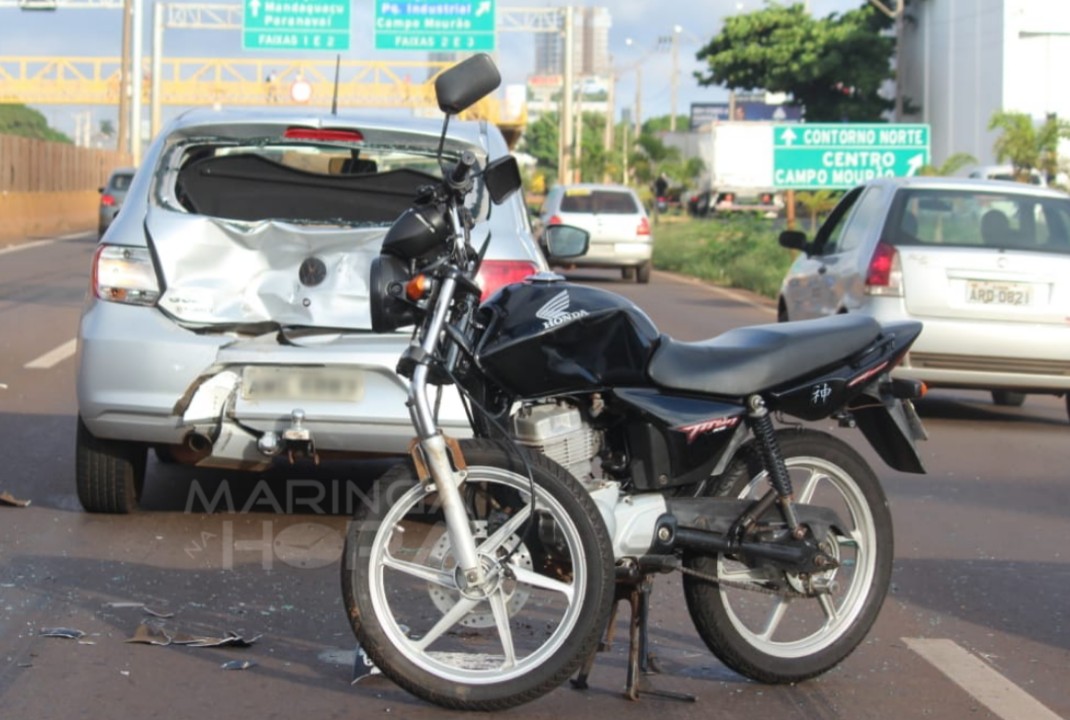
(816, 156)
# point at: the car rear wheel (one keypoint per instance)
(642, 273)
(1008, 398)
(109, 474)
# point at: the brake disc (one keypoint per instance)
(444, 598)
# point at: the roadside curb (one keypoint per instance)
(745, 297)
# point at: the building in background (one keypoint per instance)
(590, 45)
(964, 60)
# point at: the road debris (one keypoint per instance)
(155, 635)
(7, 498)
(238, 665)
(61, 632)
(142, 606)
(363, 666)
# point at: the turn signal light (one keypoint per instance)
(107, 200)
(418, 288)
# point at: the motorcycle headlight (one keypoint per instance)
(391, 309)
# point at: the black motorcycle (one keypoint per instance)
(486, 571)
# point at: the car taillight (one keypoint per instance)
(555, 220)
(885, 274)
(644, 227)
(107, 200)
(496, 274)
(124, 275)
(325, 134)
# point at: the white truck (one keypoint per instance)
(739, 168)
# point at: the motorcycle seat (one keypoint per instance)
(751, 359)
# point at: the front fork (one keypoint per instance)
(435, 451)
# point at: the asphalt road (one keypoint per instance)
(976, 624)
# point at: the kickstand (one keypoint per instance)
(640, 661)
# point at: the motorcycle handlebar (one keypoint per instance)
(460, 171)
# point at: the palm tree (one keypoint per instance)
(1026, 146)
(950, 166)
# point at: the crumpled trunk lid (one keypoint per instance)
(235, 273)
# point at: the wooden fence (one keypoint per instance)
(49, 188)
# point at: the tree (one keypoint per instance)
(949, 167)
(1026, 146)
(833, 67)
(17, 119)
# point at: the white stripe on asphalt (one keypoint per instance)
(39, 243)
(984, 684)
(53, 357)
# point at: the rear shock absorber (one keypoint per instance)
(761, 425)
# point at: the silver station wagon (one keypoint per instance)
(984, 264)
(229, 319)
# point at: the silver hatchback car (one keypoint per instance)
(984, 264)
(617, 223)
(229, 319)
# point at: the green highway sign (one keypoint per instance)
(295, 25)
(811, 156)
(435, 25)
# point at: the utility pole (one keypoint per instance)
(124, 80)
(138, 77)
(675, 74)
(564, 174)
(607, 135)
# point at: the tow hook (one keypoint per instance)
(296, 440)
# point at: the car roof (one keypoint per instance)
(967, 184)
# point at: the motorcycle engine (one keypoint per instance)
(558, 431)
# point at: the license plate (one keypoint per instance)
(270, 382)
(984, 292)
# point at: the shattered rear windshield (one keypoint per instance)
(302, 182)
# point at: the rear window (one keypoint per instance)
(304, 182)
(980, 219)
(120, 182)
(601, 202)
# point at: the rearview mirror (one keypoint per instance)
(793, 240)
(562, 242)
(467, 82)
(502, 178)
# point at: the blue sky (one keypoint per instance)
(97, 33)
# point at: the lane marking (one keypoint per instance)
(39, 243)
(977, 678)
(53, 357)
(717, 289)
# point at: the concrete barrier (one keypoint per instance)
(26, 216)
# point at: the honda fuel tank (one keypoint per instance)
(546, 336)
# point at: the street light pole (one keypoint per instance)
(565, 130)
(124, 80)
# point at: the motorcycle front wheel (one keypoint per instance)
(546, 600)
(766, 631)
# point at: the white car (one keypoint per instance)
(617, 223)
(985, 265)
(229, 317)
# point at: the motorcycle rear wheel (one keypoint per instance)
(776, 639)
(540, 614)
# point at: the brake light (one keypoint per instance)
(555, 220)
(324, 134)
(885, 274)
(107, 200)
(496, 274)
(644, 227)
(124, 275)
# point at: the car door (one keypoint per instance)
(806, 290)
